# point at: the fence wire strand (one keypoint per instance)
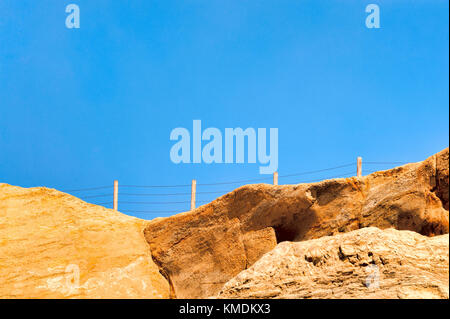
(86, 189)
(318, 171)
(385, 163)
(223, 192)
(161, 203)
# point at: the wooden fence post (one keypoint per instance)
(359, 167)
(193, 190)
(116, 195)
(275, 178)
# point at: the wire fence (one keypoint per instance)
(133, 198)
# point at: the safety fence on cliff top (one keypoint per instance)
(166, 199)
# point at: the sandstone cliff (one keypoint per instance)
(49, 241)
(365, 263)
(200, 251)
(53, 245)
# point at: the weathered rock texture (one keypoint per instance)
(365, 263)
(48, 239)
(200, 251)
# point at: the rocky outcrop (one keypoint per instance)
(53, 245)
(365, 263)
(200, 251)
(442, 166)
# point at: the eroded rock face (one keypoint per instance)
(201, 250)
(48, 239)
(365, 263)
(442, 166)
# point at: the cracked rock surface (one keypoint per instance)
(54, 245)
(201, 250)
(365, 263)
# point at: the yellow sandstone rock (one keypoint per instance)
(200, 251)
(53, 245)
(365, 263)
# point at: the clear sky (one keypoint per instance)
(82, 107)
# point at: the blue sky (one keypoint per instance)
(82, 107)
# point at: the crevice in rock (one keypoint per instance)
(284, 233)
(441, 187)
(165, 274)
(162, 271)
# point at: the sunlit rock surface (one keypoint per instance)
(200, 251)
(365, 263)
(53, 245)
